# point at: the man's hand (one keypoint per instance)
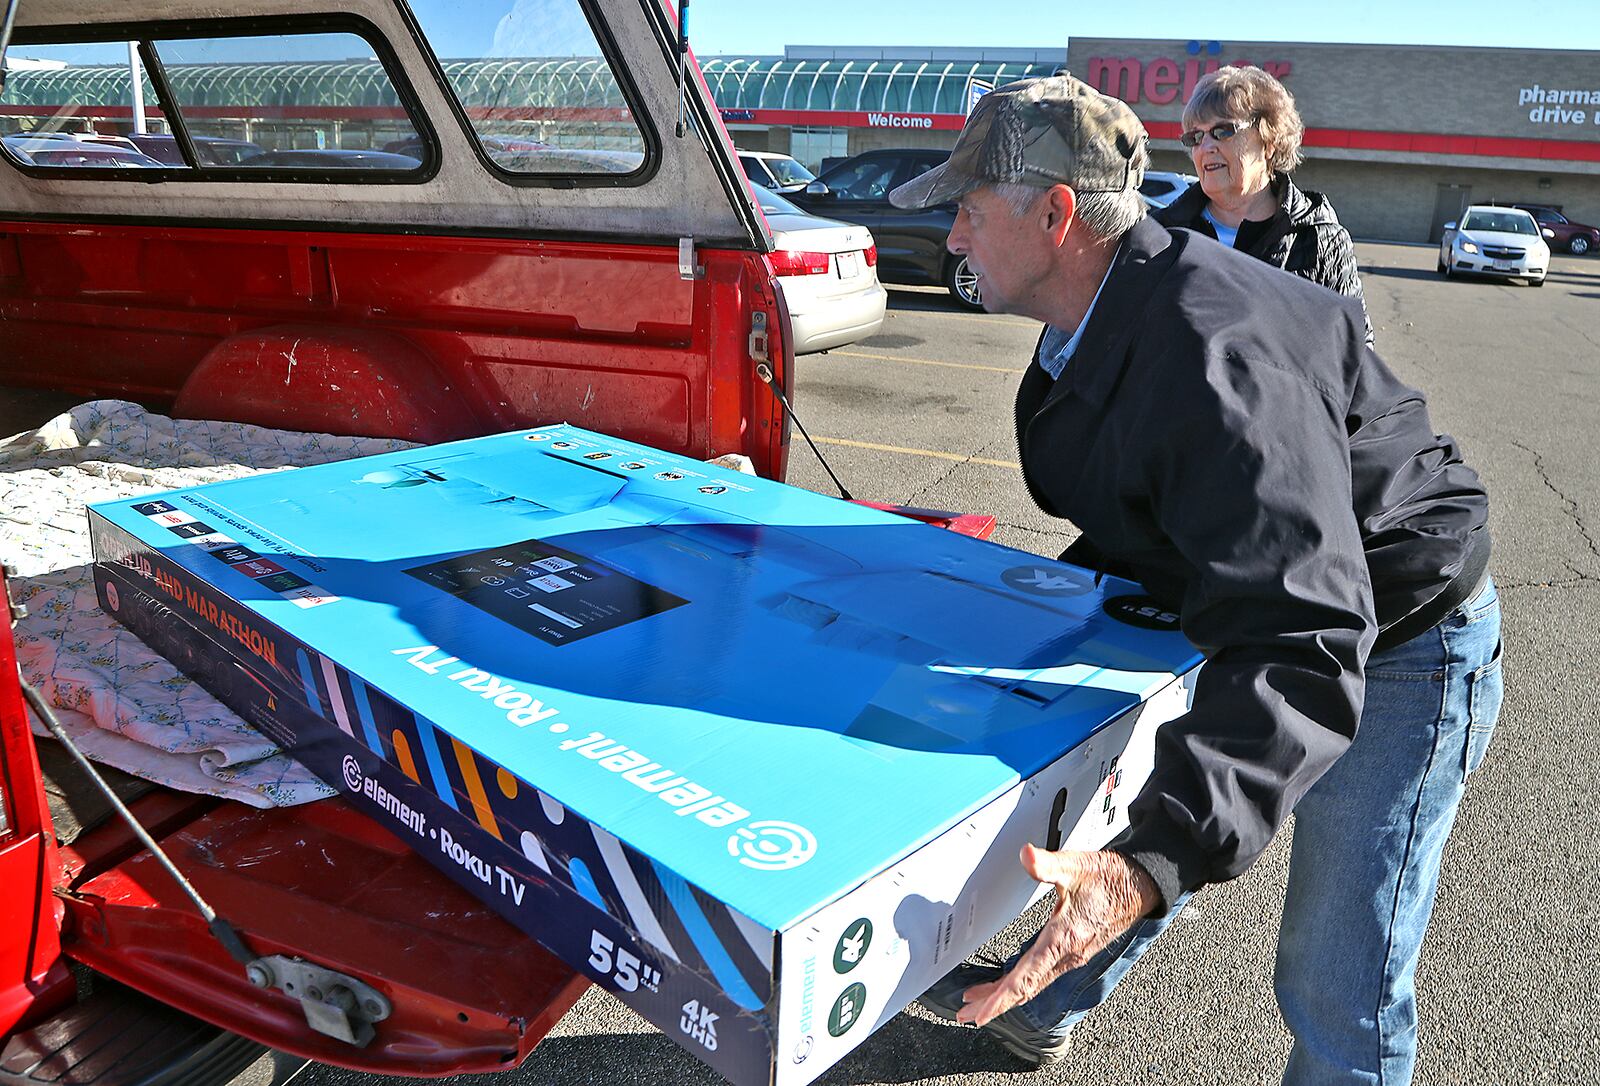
(1099, 895)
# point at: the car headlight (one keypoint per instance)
(1466, 246)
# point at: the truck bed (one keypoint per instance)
(76, 806)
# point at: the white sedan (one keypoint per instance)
(1501, 241)
(829, 272)
(1160, 188)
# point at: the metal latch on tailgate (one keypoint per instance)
(758, 338)
(686, 265)
(335, 1005)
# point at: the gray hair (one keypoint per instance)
(1250, 94)
(1106, 215)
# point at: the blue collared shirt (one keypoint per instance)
(1057, 349)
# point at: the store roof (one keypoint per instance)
(905, 84)
(900, 85)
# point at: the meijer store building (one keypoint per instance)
(1401, 138)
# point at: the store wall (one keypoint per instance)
(1383, 88)
(1544, 94)
(751, 138)
(1378, 200)
(1397, 202)
(872, 139)
(1167, 156)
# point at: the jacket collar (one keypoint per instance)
(1186, 209)
(1295, 207)
(1096, 366)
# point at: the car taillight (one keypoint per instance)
(790, 262)
(871, 253)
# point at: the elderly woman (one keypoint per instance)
(1243, 133)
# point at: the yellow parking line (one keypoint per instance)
(924, 361)
(1012, 464)
(1019, 322)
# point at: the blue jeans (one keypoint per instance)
(1368, 839)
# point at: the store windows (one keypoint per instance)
(811, 145)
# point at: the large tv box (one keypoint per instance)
(756, 760)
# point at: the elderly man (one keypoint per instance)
(1220, 431)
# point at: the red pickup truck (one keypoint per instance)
(564, 234)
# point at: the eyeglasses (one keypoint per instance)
(1219, 132)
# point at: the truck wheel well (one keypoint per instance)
(359, 382)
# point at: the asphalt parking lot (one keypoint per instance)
(921, 414)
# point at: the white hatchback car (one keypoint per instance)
(1501, 241)
(778, 173)
(829, 272)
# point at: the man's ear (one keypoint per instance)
(1058, 209)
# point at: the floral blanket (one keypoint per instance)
(122, 703)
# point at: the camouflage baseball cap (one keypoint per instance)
(1051, 131)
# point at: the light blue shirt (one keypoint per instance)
(1058, 347)
(1225, 234)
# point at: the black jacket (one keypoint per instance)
(1224, 432)
(1304, 237)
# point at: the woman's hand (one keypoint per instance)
(1099, 895)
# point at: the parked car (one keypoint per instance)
(331, 158)
(1502, 241)
(98, 138)
(1575, 237)
(79, 137)
(1159, 188)
(829, 274)
(514, 156)
(508, 151)
(70, 152)
(567, 160)
(211, 150)
(778, 173)
(911, 244)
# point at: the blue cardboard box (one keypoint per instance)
(757, 760)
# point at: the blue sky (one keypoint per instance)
(468, 28)
(740, 26)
